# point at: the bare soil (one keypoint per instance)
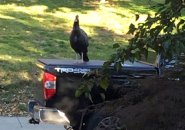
(156, 104)
(161, 106)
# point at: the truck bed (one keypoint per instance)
(71, 65)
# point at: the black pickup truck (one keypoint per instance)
(61, 78)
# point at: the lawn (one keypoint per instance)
(41, 28)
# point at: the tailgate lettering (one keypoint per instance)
(72, 70)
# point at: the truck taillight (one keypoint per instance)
(49, 85)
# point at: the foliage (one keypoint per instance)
(164, 33)
(94, 79)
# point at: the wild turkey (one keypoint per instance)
(79, 40)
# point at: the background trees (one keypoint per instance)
(162, 32)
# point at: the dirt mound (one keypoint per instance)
(156, 104)
(162, 107)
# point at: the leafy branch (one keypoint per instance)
(164, 33)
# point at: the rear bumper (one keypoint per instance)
(40, 113)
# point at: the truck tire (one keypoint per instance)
(93, 120)
(99, 122)
(109, 123)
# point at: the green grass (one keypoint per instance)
(41, 28)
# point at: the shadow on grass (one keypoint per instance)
(12, 68)
(102, 42)
(30, 33)
(76, 5)
(141, 6)
(13, 82)
(135, 6)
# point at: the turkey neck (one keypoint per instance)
(76, 28)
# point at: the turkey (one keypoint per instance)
(79, 40)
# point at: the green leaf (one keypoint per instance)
(87, 94)
(102, 96)
(133, 51)
(137, 16)
(104, 83)
(90, 97)
(161, 9)
(131, 29)
(78, 93)
(179, 24)
(159, 4)
(90, 85)
(118, 66)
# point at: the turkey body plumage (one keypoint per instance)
(79, 40)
